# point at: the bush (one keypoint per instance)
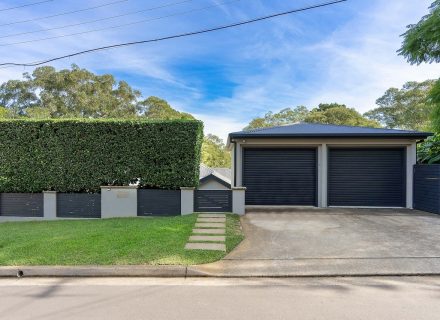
(81, 155)
(429, 151)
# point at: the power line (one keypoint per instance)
(63, 13)
(26, 5)
(98, 20)
(181, 35)
(120, 25)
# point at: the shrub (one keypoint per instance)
(429, 151)
(81, 155)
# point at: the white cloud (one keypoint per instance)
(220, 125)
(361, 62)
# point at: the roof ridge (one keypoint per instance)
(349, 126)
(279, 126)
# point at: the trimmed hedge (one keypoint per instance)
(82, 155)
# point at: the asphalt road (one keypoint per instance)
(209, 299)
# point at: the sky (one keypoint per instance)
(345, 53)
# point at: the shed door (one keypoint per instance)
(367, 177)
(280, 176)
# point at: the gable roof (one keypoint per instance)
(222, 175)
(315, 130)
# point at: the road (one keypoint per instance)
(210, 299)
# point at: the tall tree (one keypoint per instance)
(405, 108)
(338, 114)
(285, 116)
(214, 152)
(157, 108)
(421, 43)
(4, 113)
(71, 92)
(18, 96)
(327, 113)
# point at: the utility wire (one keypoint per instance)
(181, 35)
(26, 5)
(63, 13)
(98, 20)
(118, 26)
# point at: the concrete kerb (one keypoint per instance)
(94, 271)
(196, 271)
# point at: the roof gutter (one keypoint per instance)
(347, 136)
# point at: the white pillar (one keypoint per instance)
(323, 181)
(186, 200)
(238, 200)
(411, 160)
(319, 173)
(233, 182)
(238, 166)
(50, 205)
(118, 201)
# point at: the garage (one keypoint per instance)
(324, 165)
(367, 177)
(280, 176)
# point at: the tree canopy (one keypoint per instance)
(69, 93)
(339, 114)
(328, 113)
(405, 108)
(285, 116)
(157, 108)
(421, 44)
(214, 152)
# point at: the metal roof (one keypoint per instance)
(223, 174)
(315, 130)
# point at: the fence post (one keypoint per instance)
(118, 201)
(186, 200)
(238, 200)
(50, 205)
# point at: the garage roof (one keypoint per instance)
(314, 130)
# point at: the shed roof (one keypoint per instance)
(223, 174)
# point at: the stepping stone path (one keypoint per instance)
(209, 233)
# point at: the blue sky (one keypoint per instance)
(345, 53)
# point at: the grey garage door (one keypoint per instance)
(280, 176)
(367, 177)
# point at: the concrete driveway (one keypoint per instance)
(334, 241)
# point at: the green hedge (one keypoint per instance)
(82, 155)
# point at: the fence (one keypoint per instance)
(115, 202)
(427, 187)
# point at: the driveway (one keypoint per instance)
(335, 241)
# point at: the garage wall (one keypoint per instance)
(323, 145)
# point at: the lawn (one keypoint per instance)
(123, 241)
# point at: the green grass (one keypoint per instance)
(152, 241)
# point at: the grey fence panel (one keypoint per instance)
(21, 204)
(79, 205)
(213, 200)
(157, 202)
(427, 187)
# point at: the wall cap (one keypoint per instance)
(49, 191)
(119, 187)
(239, 188)
(187, 188)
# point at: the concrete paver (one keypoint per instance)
(206, 246)
(208, 231)
(208, 238)
(210, 225)
(204, 220)
(212, 215)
